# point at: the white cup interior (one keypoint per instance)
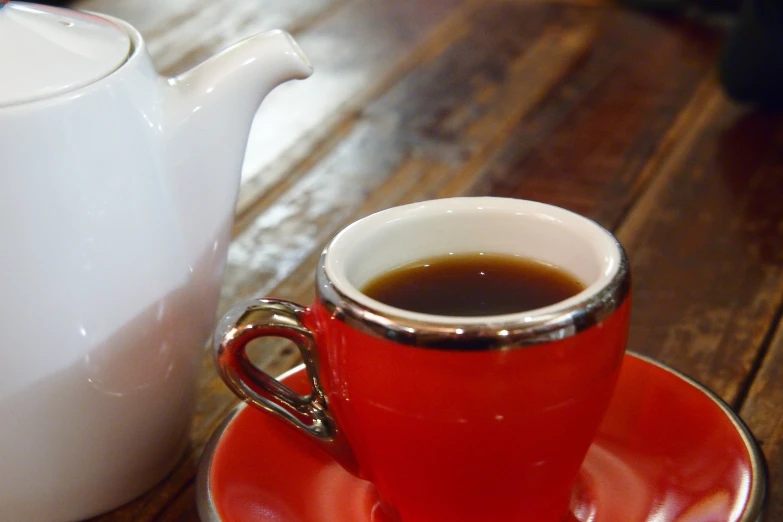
(406, 234)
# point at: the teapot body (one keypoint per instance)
(107, 298)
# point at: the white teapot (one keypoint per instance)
(117, 193)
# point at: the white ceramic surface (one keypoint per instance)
(116, 202)
(47, 50)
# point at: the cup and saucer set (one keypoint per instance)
(429, 415)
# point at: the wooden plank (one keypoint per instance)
(413, 133)
(296, 117)
(764, 416)
(705, 248)
(591, 146)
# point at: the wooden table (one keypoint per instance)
(613, 114)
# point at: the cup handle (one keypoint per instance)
(272, 318)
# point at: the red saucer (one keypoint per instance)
(668, 450)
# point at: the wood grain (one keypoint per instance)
(763, 414)
(705, 248)
(297, 117)
(412, 135)
(591, 146)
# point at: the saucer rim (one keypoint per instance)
(753, 512)
(757, 500)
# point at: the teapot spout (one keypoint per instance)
(208, 112)
(239, 77)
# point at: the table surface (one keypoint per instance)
(613, 114)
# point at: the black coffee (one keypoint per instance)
(473, 285)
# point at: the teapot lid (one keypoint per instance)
(45, 51)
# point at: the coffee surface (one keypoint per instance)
(473, 285)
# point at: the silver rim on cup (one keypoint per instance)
(409, 233)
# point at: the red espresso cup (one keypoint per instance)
(452, 418)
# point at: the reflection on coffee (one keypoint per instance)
(475, 284)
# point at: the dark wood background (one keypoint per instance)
(580, 103)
